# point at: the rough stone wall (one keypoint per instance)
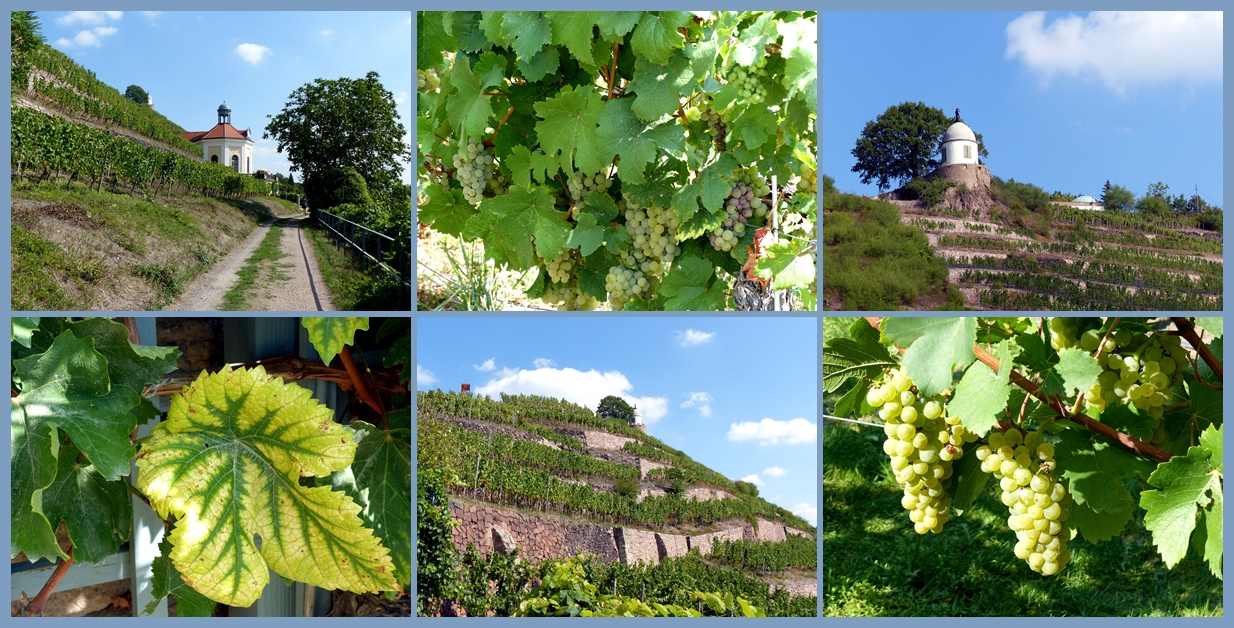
(636, 545)
(537, 538)
(789, 530)
(768, 531)
(703, 541)
(704, 494)
(604, 440)
(973, 175)
(646, 466)
(644, 493)
(671, 545)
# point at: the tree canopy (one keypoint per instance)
(327, 126)
(24, 38)
(613, 407)
(1117, 198)
(901, 144)
(136, 94)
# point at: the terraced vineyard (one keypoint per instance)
(1083, 260)
(547, 480)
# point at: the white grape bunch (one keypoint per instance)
(808, 184)
(624, 284)
(653, 232)
(744, 202)
(427, 80)
(569, 297)
(1037, 501)
(747, 81)
(581, 186)
(473, 166)
(922, 443)
(560, 268)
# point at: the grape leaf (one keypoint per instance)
(380, 483)
(493, 25)
(754, 127)
(431, 39)
(657, 35)
(658, 86)
(517, 217)
(1077, 369)
(446, 208)
(710, 187)
(468, 109)
(789, 263)
(1129, 421)
(331, 334)
(22, 328)
(130, 365)
(1184, 484)
(68, 386)
(702, 53)
(601, 206)
(615, 24)
(617, 239)
(568, 126)
(936, 347)
(844, 358)
(968, 480)
(849, 404)
(541, 65)
(96, 511)
(167, 581)
(32, 468)
(1206, 404)
(1096, 470)
(1214, 325)
(587, 236)
(1205, 370)
(530, 31)
(689, 286)
(464, 26)
(227, 463)
(1038, 357)
(622, 134)
(801, 75)
(573, 29)
(979, 397)
(1097, 526)
(753, 40)
(1213, 438)
(1213, 520)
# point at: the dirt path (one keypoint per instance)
(300, 287)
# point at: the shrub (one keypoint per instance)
(626, 487)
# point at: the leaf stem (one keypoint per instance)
(498, 127)
(362, 388)
(612, 73)
(62, 568)
(1187, 331)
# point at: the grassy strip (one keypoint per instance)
(352, 289)
(875, 564)
(35, 261)
(270, 249)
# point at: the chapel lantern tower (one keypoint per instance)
(224, 113)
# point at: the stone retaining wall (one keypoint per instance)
(795, 531)
(703, 494)
(604, 440)
(703, 541)
(636, 545)
(672, 545)
(647, 466)
(768, 531)
(537, 538)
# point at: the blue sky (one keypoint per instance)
(190, 62)
(738, 395)
(1063, 100)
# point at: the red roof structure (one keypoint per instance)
(219, 132)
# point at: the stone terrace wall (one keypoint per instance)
(636, 545)
(788, 530)
(706, 494)
(604, 440)
(768, 531)
(647, 466)
(538, 538)
(672, 545)
(703, 541)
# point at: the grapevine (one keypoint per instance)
(650, 146)
(1061, 413)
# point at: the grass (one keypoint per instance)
(270, 250)
(351, 288)
(874, 564)
(78, 249)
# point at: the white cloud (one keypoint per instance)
(700, 399)
(487, 366)
(88, 17)
(327, 32)
(424, 377)
(91, 38)
(692, 338)
(773, 432)
(253, 53)
(543, 363)
(585, 388)
(1121, 49)
(775, 472)
(807, 512)
(400, 98)
(151, 14)
(753, 479)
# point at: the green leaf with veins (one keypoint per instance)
(657, 36)
(227, 462)
(711, 187)
(68, 386)
(517, 217)
(587, 236)
(380, 483)
(573, 29)
(134, 366)
(936, 347)
(615, 24)
(541, 65)
(468, 109)
(845, 358)
(446, 208)
(1097, 526)
(331, 334)
(32, 468)
(658, 86)
(788, 263)
(431, 39)
(981, 394)
(568, 126)
(622, 134)
(1097, 470)
(167, 581)
(690, 287)
(750, 46)
(530, 30)
(969, 480)
(1077, 369)
(22, 328)
(754, 127)
(1183, 485)
(96, 511)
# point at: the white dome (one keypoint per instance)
(959, 131)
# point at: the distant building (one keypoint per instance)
(1083, 202)
(224, 143)
(960, 161)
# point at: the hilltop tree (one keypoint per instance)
(901, 144)
(1117, 198)
(136, 94)
(24, 38)
(327, 126)
(746, 488)
(613, 407)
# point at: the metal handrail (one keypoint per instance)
(336, 230)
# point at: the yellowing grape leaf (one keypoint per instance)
(227, 462)
(329, 334)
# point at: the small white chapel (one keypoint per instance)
(225, 144)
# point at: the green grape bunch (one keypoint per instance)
(427, 80)
(1038, 502)
(922, 443)
(744, 202)
(747, 81)
(473, 167)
